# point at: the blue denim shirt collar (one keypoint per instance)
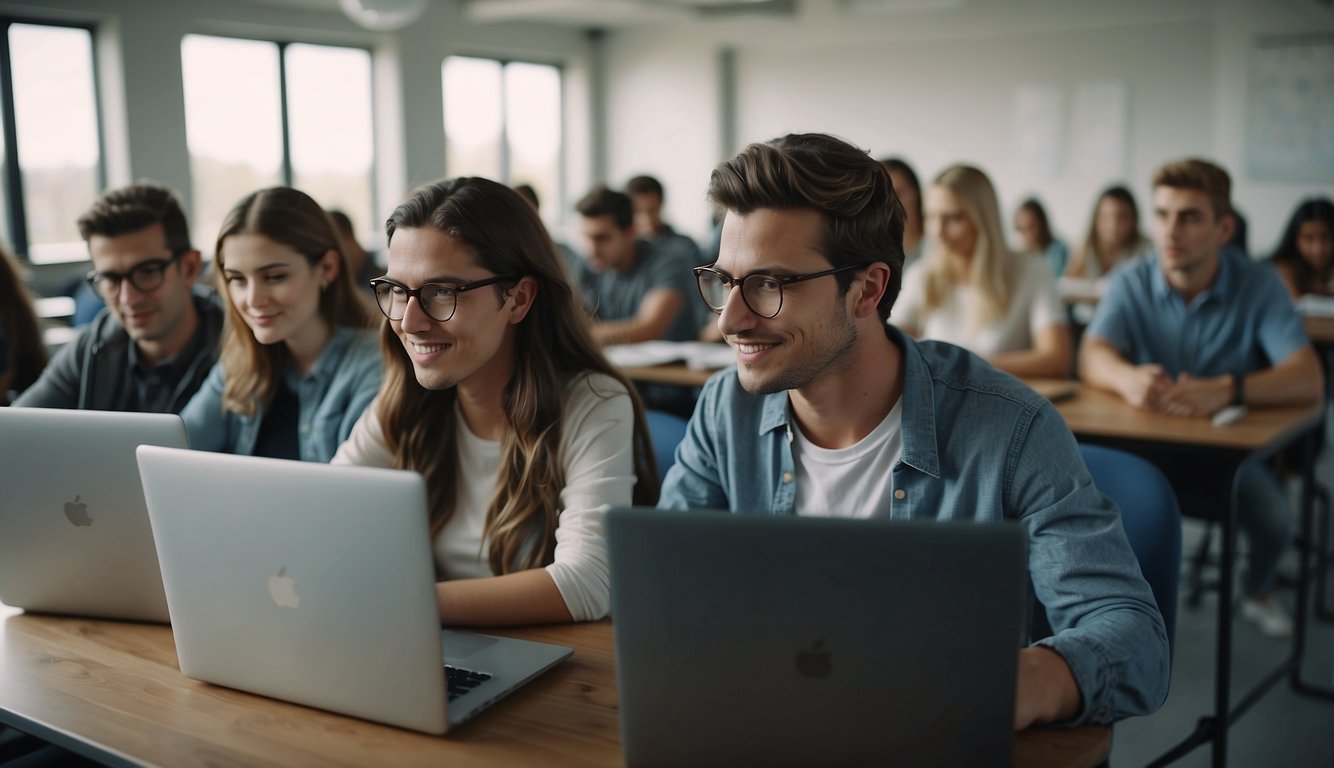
(1219, 290)
(919, 409)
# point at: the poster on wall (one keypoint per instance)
(1290, 109)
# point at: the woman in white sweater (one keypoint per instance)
(970, 289)
(495, 392)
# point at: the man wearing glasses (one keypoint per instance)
(832, 412)
(155, 342)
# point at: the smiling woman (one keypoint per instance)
(496, 393)
(298, 363)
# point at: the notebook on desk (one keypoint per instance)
(74, 534)
(315, 584)
(761, 640)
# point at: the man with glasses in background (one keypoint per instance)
(833, 412)
(154, 344)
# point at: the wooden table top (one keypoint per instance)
(1097, 413)
(1320, 329)
(112, 691)
(678, 374)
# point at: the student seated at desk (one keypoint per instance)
(1030, 221)
(152, 347)
(1304, 258)
(635, 292)
(970, 289)
(497, 394)
(299, 360)
(1114, 237)
(1196, 328)
(22, 353)
(831, 411)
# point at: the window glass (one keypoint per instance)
(233, 123)
(55, 112)
(329, 124)
(473, 117)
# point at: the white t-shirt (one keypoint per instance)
(596, 439)
(1035, 305)
(856, 481)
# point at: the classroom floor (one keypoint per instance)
(1283, 728)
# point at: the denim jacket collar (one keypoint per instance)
(919, 409)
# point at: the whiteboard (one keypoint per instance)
(1290, 109)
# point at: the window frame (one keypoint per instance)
(505, 164)
(285, 164)
(11, 175)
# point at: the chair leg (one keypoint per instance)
(1323, 611)
(1198, 561)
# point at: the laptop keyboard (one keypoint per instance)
(460, 681)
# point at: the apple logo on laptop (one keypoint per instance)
(282, 588)
(77, 512)
(815, 661)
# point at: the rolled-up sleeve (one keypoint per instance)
(1105, 621)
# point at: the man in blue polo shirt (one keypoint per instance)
(1197, 327)
(833, 412)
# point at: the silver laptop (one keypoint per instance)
(74, 535)
(315, 584)
(760, 640)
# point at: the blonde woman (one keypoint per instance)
(971, 290)
(299, 362)
(496, 393)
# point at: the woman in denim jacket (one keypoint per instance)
(299, 362)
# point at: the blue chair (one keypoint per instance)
(1150, 517)
(666, 431)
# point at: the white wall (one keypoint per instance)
(938, 87)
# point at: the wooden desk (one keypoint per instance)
(678, 374)
(1101, 416)
(1320, 329)
(112, 691)
(1096, 413)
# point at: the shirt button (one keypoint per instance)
(900, 494)
(305, 428)
(787, 477)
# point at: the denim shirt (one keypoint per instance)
(332, 394)
(980, 446)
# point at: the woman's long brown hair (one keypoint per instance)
(25, 353)
(292, 218)
(552, 346)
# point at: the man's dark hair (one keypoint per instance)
(863, 217)
(136, 207)
(607, 202)
(527, 192)
(644, 185)
(343, 222)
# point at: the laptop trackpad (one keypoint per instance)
(460, 645)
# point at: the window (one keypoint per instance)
(259, 114)
(503, 121)
(51, 149)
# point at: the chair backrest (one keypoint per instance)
(666, 431)
(1150, 517)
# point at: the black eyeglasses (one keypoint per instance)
(762, 293)
(438, 300)
(146, 276)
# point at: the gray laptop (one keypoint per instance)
(760, 640)
(315, 584)
(74, 535)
